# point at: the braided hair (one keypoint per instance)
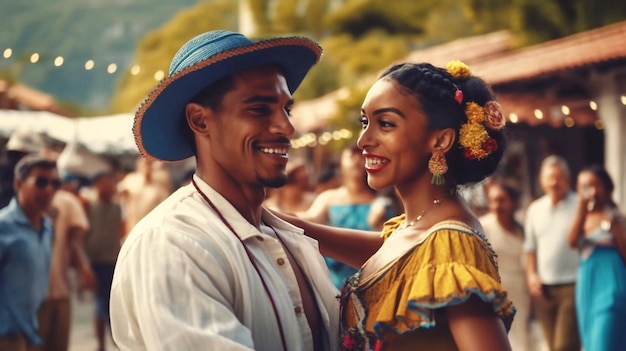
(435, 90)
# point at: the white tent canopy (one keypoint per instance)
(109, 135)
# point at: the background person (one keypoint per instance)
(598, 233)
(506, 236)
(102, 244)
(25, 251)
(348, 206)
(551, 265)
(70, 225)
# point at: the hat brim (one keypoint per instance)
(160, 129)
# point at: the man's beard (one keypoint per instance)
(273, 182)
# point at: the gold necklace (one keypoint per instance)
(405, 224)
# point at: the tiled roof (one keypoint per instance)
(20, 96)
(313, 114)
(491, 58)
(575, 51)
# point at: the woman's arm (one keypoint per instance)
(476, 327)
(578, 224)
(349, 246)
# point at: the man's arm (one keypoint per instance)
(76, 240)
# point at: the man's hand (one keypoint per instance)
(534, 285)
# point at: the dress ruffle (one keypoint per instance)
(445, 270)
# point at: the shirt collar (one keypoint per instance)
(243, 229)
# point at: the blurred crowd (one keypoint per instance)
(545, 264)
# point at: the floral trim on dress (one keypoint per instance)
(356, 338)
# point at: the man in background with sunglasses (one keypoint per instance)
(25, 251)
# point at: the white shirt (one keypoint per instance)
(546, 228)
(183, 281)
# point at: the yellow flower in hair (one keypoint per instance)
(472, 136)
(458, 69)
(474, 112)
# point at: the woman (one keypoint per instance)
(349, 205)
(598, 232)
(506, 236)
(432, 281)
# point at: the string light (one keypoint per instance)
(112, 68)
(565, 110)
(623, 99)
(89, 65)
(7, 53)
(599, 124)
(311, 140)
(58, 61)
(569, 122)
(34, 58)
(593, 105)
(159, 75)
(513, 117)
(538, 114)
(135, 70)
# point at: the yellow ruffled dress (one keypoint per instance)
(399, 308)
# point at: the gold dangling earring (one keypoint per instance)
(438, 166)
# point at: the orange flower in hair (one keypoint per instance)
(474, 112)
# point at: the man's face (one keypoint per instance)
(36, 191)
(249, 134)
(554, 182)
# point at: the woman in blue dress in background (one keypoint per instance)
(598, 233)
(352, 205)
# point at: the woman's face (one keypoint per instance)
(590, 187)
(394, 139)
(499, 202)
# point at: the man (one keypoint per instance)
(25, 250)
(551, 265)
(102, 245)
(142, 190)
(70, 225)
(210, 267)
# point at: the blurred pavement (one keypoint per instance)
(82, 334)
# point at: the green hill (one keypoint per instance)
(105, 31)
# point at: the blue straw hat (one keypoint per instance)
(160, 127)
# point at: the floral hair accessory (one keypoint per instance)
(473, 135)
(458, 69)
(493, 115)
(458, 96)
(474, 112)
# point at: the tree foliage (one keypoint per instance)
(361, 37)
(156, 50)
(535, 21)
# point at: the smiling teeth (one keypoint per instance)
(281, 151)
(375, 161)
